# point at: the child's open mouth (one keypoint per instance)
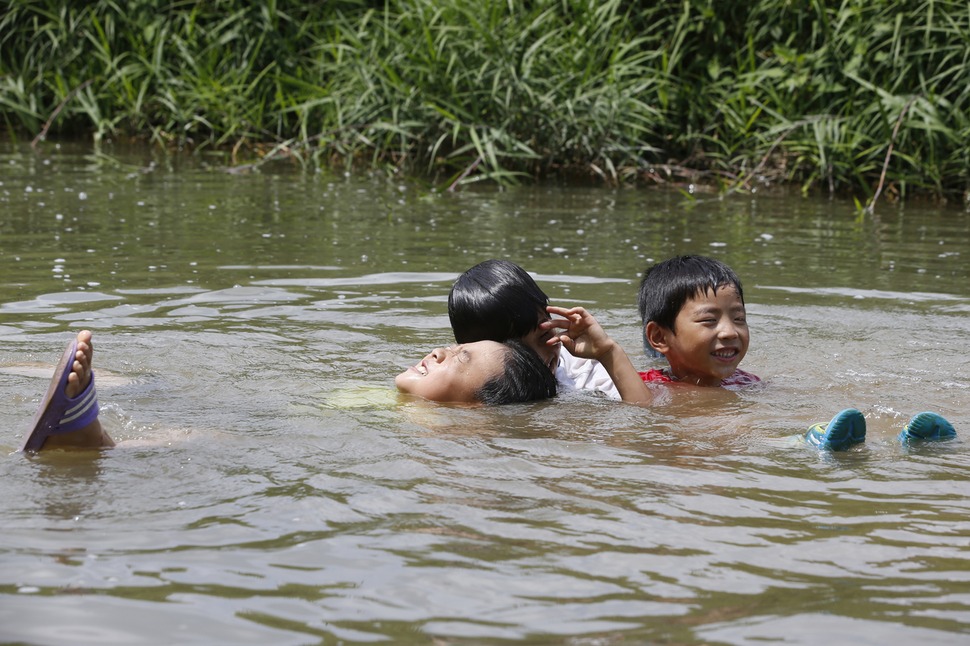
(421, 369)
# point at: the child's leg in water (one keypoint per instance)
(52, 431)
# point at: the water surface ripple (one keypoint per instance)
(270, 487)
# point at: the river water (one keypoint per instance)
(270, 487)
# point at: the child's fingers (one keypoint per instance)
(566, 311)
(548, 324)
(567, 342)
(571, 328)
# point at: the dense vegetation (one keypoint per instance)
(828, 95)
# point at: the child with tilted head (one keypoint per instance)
(483, 373)
(498, 300)
(692, 312)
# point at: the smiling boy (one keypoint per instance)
(692, 310)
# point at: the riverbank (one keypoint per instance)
(866, 98)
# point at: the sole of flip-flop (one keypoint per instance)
(941, 429)
(847, 429)
(39, 429)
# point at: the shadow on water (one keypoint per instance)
(270, 487)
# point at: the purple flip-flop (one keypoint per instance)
(59, 413)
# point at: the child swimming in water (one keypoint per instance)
(484, 373)
(692, 311)
(498, 300)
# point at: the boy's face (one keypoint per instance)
(709, 339)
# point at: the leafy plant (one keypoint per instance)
(855, 96)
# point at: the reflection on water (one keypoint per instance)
(270, 486)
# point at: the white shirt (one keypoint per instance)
(574, 373)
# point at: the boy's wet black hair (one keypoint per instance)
(524, 378)
(493, 301)
(666, 286)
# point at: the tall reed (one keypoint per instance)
(846, 96)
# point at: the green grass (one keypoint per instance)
(735, 94)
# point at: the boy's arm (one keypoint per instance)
(584, 337)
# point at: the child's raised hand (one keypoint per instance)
(583, 336)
